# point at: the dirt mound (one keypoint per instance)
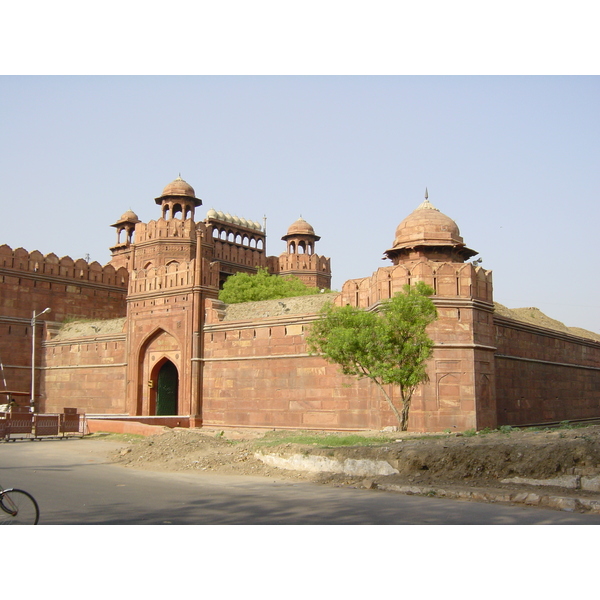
(190, 450)
(480, 459)
(534, 316)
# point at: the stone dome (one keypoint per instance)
(427, 226)
(179, 187)
(432, 234)
(129, 216)
(300, 227)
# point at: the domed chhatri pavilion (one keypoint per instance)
(428, 234)
(155, 345)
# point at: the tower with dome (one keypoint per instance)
(300, 259)
(176, 263)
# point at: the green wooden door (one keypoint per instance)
(166, 396)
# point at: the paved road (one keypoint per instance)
(75, 484)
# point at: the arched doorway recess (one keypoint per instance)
(167, 389)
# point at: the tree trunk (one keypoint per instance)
(404, 417)
(390, 403)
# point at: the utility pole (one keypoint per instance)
(33, 318)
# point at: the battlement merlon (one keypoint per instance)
(451, 280)
(65, 268)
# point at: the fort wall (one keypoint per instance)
(30, 281)
(543, 375)
(460, 393)
(84, 365)
(258, 372)
(72, 289)
(151, 340)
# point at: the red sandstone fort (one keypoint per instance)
(145, 337)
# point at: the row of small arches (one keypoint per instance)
(227, 235)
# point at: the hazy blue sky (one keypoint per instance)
(513, 160)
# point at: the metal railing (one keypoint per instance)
(19, 423)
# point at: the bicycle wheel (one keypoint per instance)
(18, 508)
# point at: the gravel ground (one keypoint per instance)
(481, 460)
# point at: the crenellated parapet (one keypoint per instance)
(313, 269)
(166, 277)
(448, 280)
(165, 228)
(51, 266)
(304, 262)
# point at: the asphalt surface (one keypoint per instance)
(75, 484)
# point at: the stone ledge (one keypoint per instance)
(373, 468)
(529, 498)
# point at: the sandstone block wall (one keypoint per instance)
(261, 375)
(86, 372)
(70, 288)
(544, 376)
(31, 281)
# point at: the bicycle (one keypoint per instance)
(18, 507)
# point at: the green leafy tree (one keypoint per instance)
(388, 347)
(243, 287)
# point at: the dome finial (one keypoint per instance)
(426, 203)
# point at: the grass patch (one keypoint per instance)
(69, 319)
(115, 437)
(506, 429)
(323, 440)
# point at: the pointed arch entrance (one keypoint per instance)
(159, 375)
